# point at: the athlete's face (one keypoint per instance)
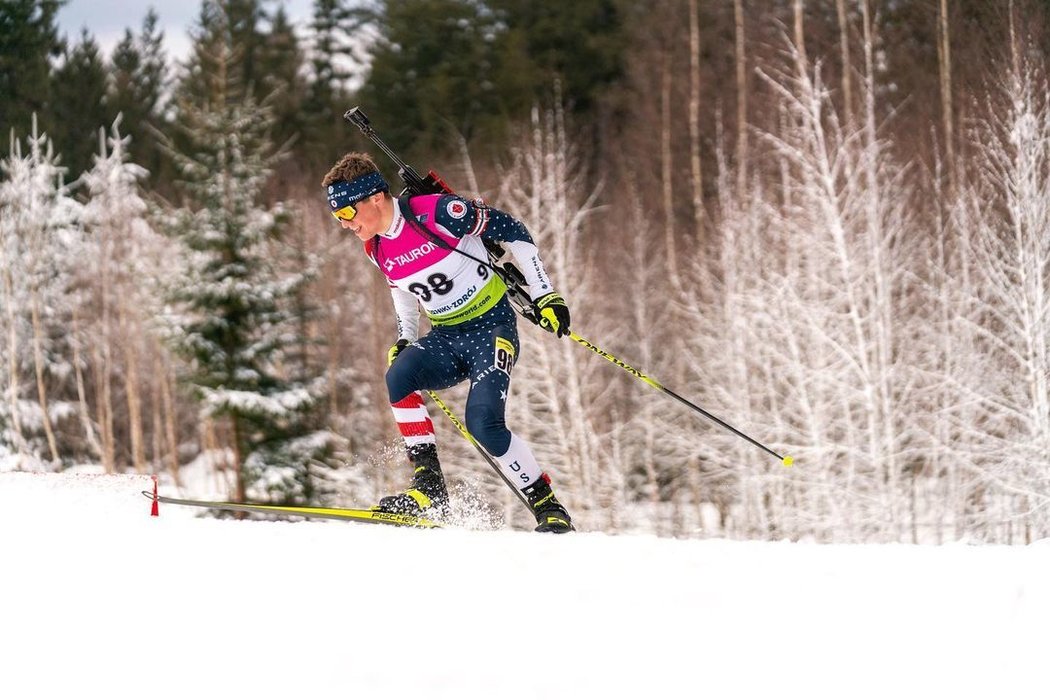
(373, 217)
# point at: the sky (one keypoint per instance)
(99, 598)
(106, 20)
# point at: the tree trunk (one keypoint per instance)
(103, 356)
(104, 400)
(882, 338)
(944, 62)
(132, 389)
(694, 120)
(667, 163)
(167, 381)
(156, 417)
(741, 99)
(12, 362)
(238, 459)
(85, 413)
(847, 70)
(38, 363)
(800, 34)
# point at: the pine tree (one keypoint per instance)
(244, 20)
(433, 74)
(233, 319)
(237, 24)
(446, 68)
(139, 71)
(280, 62)
(579, 43)
(325, 96)
(78, 108)
(28, 41)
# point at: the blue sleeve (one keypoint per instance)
(461, 217)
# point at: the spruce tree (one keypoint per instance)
(579, 43)
(432, 74)
(28, 41)
(325, 100)
(139, 70)
(239, 25)
(78, 108)
(233, 317)
(442, 68)
(280, 64)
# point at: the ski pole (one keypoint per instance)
(477, 445)
(786, 460)
(524, 305)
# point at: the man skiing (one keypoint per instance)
(431, 250)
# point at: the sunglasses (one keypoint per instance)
(347, 213)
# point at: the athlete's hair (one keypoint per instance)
(350, 166)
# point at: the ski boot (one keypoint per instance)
(427, 495)
(550, 515)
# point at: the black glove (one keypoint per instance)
(396, 349)
(554, 314)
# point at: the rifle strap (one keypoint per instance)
(410, 218)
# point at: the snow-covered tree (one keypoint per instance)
(331, 52)
(1004, 211)
(231, 314)
(554, 403)
(653, 438)
(120, 272)
(727, 368)
(39, 248)
(808, 344)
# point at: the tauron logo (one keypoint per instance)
(414, 254)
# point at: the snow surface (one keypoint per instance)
(99, 599)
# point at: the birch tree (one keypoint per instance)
(821, 315)
(554, 405)
(1006, 208)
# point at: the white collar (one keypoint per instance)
(397, 222)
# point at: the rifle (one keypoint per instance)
(414, 184)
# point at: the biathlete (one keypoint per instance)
(431, 250)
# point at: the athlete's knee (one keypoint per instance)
(400, 381)
(485, 422)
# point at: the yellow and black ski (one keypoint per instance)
(358, 515)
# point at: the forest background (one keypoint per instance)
(825, 221)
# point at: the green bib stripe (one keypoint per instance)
(482, 302)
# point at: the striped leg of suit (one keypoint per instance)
(413, 420)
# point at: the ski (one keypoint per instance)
(357, 515)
